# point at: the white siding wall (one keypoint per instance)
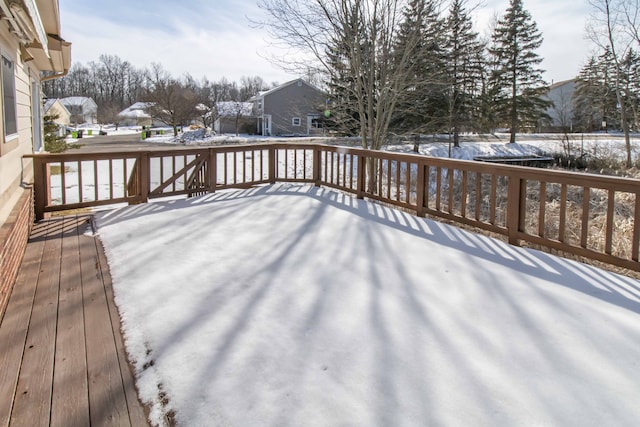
(13, 169)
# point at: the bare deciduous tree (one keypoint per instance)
(173, 102)
(353, 41)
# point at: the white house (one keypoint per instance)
(82, 109)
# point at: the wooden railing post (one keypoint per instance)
(272, 164)
(143, 177)
(316, 166)
(40, 187)
(362, 167)
(516, 207)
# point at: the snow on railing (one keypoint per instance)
(592, 216)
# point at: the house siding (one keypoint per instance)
(289, 102)
(16, 199)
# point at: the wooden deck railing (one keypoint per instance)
(593, 216)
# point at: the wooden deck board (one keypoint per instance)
(70, 404)
(61, 351)
(136, 412)
(15, 323)
(32, 402)
(106, 391)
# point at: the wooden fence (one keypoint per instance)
(593, 216)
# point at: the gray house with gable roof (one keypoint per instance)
(293, 108)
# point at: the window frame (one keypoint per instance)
(9, 142)
(294, 119)
(7, 137)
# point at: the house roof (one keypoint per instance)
(562, 83)
(36, 25)
(82, 101)
(262, 94)
(50, 102)
(137, 110)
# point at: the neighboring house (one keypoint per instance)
(561, 112)
(30, 44)
(233, 117)
(137, 115)
(82, 109)
(53, 107)
(294, 108)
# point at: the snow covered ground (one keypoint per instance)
(291, 305)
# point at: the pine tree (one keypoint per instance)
(462, 69)
(423, 106)
(595, 95)
(521, 87)
(53, 142)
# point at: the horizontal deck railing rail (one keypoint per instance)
(593, 216)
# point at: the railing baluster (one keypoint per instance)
(563, 213)
(451, 173)
(463, 201)
(235, 167)
(584, 232)
(636, 229)
(493, 199)
(63, 184)
(478, 195)
(542, 209)
(407, 187)
(397, 181)
(438, 187)
(611, 201)
(95, 180)
(80, 191)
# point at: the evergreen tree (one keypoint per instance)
(462, 68)
(630, 65)
(53, 142)
(521, 87)
(423, 106)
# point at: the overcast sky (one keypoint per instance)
(214, 38)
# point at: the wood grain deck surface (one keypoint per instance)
(62, 355)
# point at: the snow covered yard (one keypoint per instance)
(294, 305)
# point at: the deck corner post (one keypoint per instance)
(316, 166)
(144, 178)
(272, 164)
(516, 207)
(40, 179)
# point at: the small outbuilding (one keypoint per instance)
(234, 117)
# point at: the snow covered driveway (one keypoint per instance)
(291, 305)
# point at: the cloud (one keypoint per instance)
(226, 46)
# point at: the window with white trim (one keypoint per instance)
(296, 121)
(9, 97)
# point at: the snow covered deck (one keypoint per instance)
(62, 358)
(297, 305)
